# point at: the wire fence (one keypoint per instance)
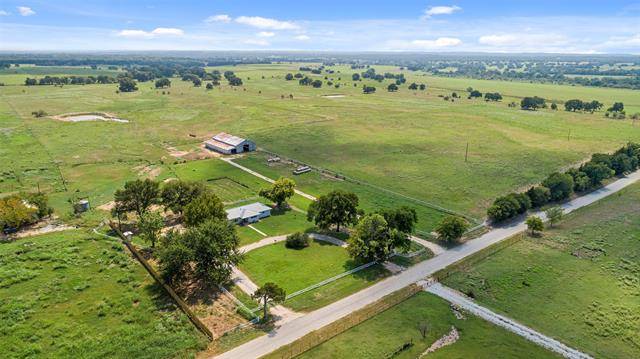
(379, 188)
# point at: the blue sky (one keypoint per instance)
(491, 26)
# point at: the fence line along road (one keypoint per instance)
(474, 308)
(297, 328)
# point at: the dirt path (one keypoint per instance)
(469, 305)
(230, 161)
(434, 247)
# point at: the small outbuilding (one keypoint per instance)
(229, 144)
(249, 213)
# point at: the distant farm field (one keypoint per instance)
(580, 283)
(409, 142)
(72, 294)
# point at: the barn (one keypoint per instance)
(229, 144)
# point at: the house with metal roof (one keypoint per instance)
(249, 213)
(229, 144)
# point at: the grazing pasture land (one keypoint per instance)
(410, 142)
(71, 294)
(385, 333)
(578, 283)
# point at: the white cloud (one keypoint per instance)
(302, 37)
(168, 31)
(266, 34)
(623, 41)
(3, 13)
(265, 23)
(218, 18)
(257, 42)
(441, 10)
(160, 31)
(511, 40)
(498, 40)
(25, 11)
(437, 43)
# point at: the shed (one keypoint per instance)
(229, 144)
(249, 213)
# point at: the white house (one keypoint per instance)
(229, 144)
(249, 213)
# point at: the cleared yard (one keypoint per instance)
(385, 333)
(579, 283)
(70, 294)
(294, 270)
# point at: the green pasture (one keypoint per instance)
(71, 294)
(579, 283)
(385, 333)
(409, 142)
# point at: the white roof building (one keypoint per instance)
(229, 144)
(249, 213)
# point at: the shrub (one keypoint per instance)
(560, 185)
(597, 172)
(298, 240)
(539, 196)
(452, 228)
(503, 208)
(581, 182)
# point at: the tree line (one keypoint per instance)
(560, 186)
(70, 80)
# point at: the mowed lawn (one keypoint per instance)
(294, 269)
(383, 334)
(580, 283)
(279, 223)
(72, 295)
(410, 142)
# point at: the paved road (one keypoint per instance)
(317, 319)
(467, 304)
(230, 161)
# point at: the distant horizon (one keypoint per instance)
(407, 26)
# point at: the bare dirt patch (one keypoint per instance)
(88, 116)
(334, 96)
(199, 153)
(150, 172)
(447, 339)
(107, 206)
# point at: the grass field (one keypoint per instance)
(381, 335)
(279, 223)
(71, 295)
(580, 283)
(411, 142)
(294, 270)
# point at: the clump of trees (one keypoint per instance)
(163, 83)
(22, 209)
(616, 111)
(492, 96)
(452, 228)
(579, 105)
(337, 208)
(281, 190)
(532, 103)
(375, 240)
(70, 80)
(368, 89)
(127, 84)
(205, 252)
(560, 186)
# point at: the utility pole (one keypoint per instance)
(466, 152)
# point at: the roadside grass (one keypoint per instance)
(294, 270)
(70, 294)
(380, 336)
(585, 274)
